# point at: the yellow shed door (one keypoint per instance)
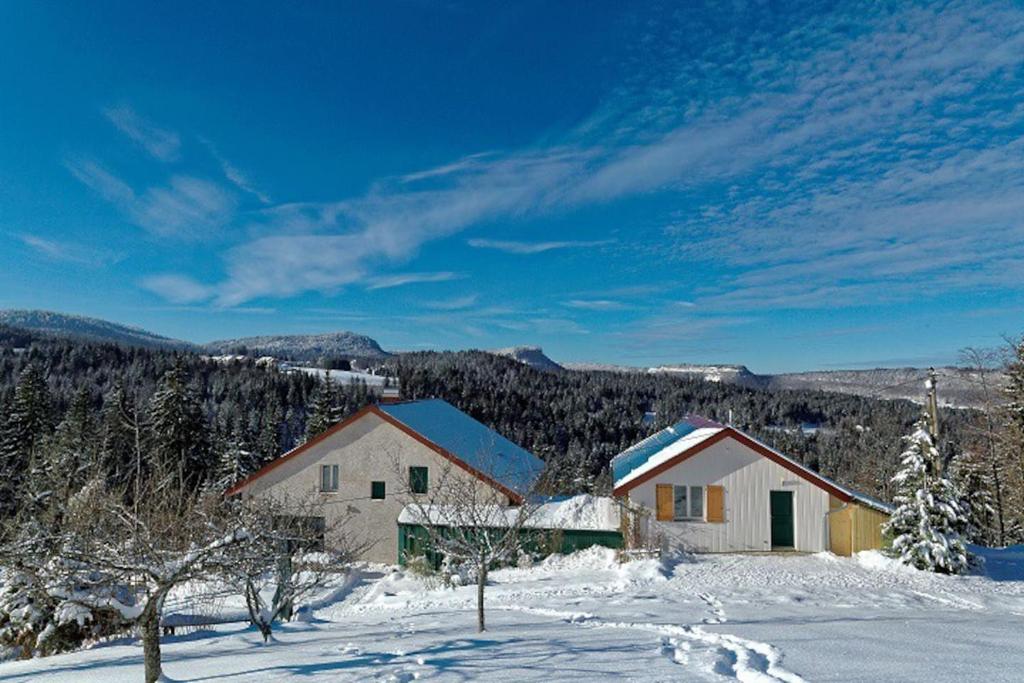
(664, 501)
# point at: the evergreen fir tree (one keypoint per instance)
(117, 438)
(973, 479)
(178, 437)
(325, 409)
(26, 429)
(1013, 446)
(928, 523)
(268, 443)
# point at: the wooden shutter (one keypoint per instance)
(716, 504)
(665, 504)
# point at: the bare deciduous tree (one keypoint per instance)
(293, 550)
(472, 525)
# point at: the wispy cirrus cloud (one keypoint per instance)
(185, 207)
(402, 279)
(516, 247)
(595, 304)
(235, 175)
(161, 144)
(454, 304)
(177, 289)
(68, 252)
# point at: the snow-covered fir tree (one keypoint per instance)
(325, 411)
(179, 438)
(23, 432)
(928, 524)
(1013, 445)
(973, 479)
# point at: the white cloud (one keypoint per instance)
(186, 207)
(100, 180)
(178, 289)
(164, 145)
(455, 304)
(402, 279)
(62, 250)
(235, 175)
(515, 247)
(595, 304)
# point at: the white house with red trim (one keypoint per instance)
(712, 488)
(361, 471)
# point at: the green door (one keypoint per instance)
(782, 519)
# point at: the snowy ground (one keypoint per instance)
(586, 617)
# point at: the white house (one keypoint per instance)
(361, 471)
(712, 488)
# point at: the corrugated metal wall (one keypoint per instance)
(748, 478)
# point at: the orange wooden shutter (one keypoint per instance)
(716, 504)
(665, 503)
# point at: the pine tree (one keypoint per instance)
(26, 429)
(928, 523)
(118, 440)
(325, 409)
(973, 479)
(234, 464)
(1013, 445)
(179, 435)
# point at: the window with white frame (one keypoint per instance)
(689, 503)
(329, 478)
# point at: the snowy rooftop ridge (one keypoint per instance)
(634, 461)
(579, 513)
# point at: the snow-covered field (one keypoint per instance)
(587, 617)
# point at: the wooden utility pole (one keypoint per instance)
(933, 401)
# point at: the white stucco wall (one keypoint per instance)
(370, 449)
(747, 478)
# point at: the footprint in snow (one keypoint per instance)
(717, 613)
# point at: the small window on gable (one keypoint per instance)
(329, 478)
(689, 503)
(377, 490)
(418, 479)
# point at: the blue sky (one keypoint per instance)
(786, 186)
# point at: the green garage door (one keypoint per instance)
(782, 519)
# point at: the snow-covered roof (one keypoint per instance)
(579, 513)
(673, 442)
(662, 446)
(472, 442)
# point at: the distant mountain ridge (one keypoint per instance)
(304, 347)
(957, 386)
(84, 327)
(529, 355)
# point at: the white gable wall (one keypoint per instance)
(369, 449)
(747, 477)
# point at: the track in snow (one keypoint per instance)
(737, 658)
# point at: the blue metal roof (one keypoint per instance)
(637, 454)
(476, 444)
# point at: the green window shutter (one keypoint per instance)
(377, 490)
(418, 479)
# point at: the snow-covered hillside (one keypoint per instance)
(304, 347)
(529, 355)
(586, 617)
(82, 327)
